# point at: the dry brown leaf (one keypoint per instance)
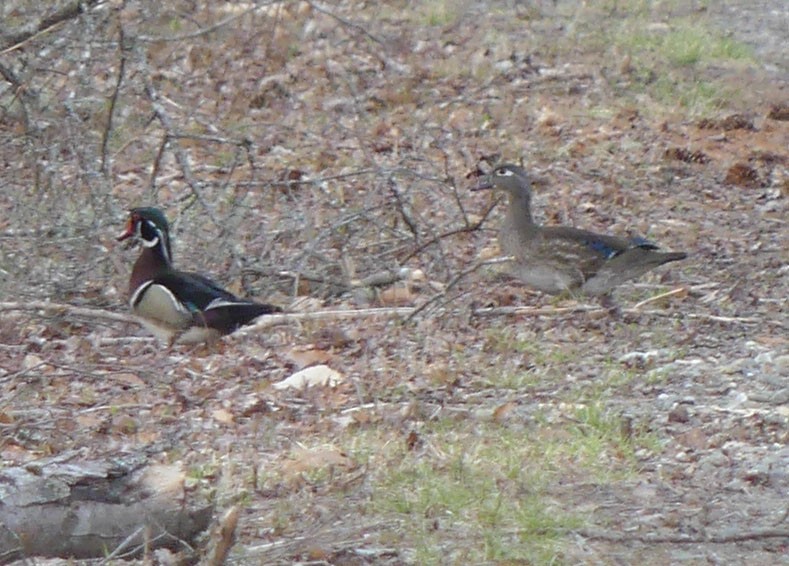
(305, 460)
(412, 440)
(88, 420)
(694, 438)
(501, 412)
(396, 296)
(489, 252)
(129, 379)
(31, 361)
(16, 454)
(363, 416)
(124, 424)
(305, 356)
(161, 478)
(222, 416)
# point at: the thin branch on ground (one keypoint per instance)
(679, 291)
(454, 281)
(204, 31)
(270, 320)
(19, 87)
(66, 309)
(46, 24)
(312, 181)
(535, 311)
(510, 311)
(403, 209)
(716, 538)
(345, 22)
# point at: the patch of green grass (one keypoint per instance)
(551, 361)
(600, 437)
(685, 45)
(490, 486)
(670, 65)
(670, 52)
(440, 12)
(482, 485)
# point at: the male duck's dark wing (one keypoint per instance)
(194, 291)
(211, 305)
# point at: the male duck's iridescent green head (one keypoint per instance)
(149, 225)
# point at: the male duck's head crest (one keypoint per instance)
(149, 225)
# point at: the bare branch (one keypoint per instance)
(275, 319)
(462, 230)
(105, 136)
(34, 29)
(65, 309)
(455, 280)
(345, 22)
(717, 538)
(203, 31)
(180, 154)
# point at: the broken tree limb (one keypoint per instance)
(222, 538)
(70, 508)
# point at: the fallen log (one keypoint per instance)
(70, 508)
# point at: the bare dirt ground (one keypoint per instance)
(300, 148)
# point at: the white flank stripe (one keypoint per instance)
(218, 303)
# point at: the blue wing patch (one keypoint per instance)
(602, 248)
(191, 306)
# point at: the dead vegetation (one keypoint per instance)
(319, 156)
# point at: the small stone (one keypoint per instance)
(679, 414)
(764, 358)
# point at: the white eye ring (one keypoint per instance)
(504, 173)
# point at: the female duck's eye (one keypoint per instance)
(503, 172)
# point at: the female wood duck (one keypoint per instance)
(558, 259)
(179, 306)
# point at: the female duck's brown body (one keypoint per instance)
(558, 259)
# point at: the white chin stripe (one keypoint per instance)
(149, 243)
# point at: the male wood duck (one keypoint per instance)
(559, 259)
(179, 306)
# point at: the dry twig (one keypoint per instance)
(65, 309)
(717, 538)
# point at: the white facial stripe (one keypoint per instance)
(504, 173)
(153, 243)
